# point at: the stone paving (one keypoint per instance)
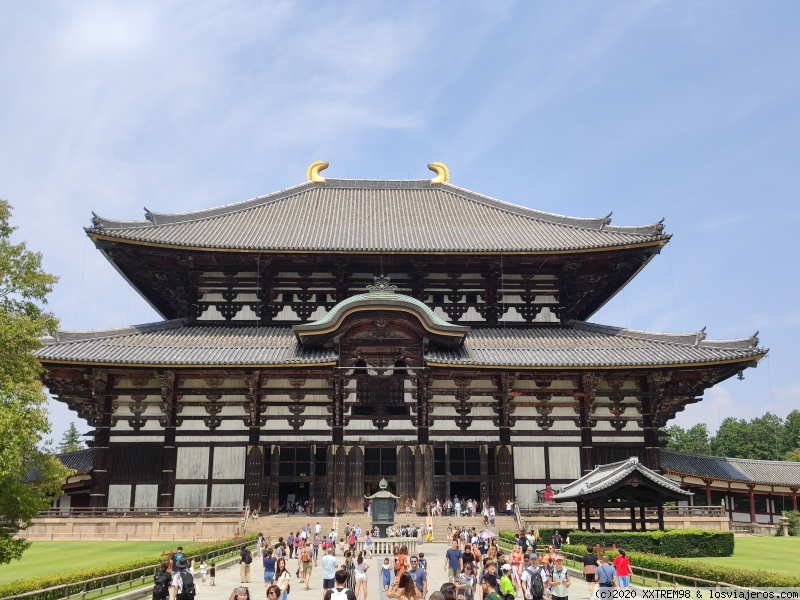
(228, 578)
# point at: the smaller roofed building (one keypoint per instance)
(625, 485)
(751, 491)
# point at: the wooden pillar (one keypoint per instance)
(254, 468)
(708, 491)
(423, 398)
(166, 496)
(580, 515)
(752, 497)
(602, 519)
(586, 420)
(101, 451)
(339, 479)
(406, 469)
(661, 516)
(505, 472)
(424, 474)
(355, 478)
(274, 482)
(253, 476)
(633, 518)
(588, 517)
(656, 386)
(484, 456)
(794, 498)
(643, 518)
(730, 503)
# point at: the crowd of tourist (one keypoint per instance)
(476, 567)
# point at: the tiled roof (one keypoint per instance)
(80, 461)
(771, 472)
(172, 343)
(580, 345)
(607, 476)
(589, 345)
(377, 216)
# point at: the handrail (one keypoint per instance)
(142, 512)
(87, 586)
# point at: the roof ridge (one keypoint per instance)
(697, 338)
(154, 219)
(80, 335)
(592, 223)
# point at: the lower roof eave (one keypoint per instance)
(687, 365)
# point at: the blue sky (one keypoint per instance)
(682, 110)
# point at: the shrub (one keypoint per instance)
(701, 570)
(681, 543)
(794, 523)
(107, 573)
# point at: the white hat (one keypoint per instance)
(505, 567)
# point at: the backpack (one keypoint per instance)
(188, 590)
(352, 540)
(537, 585)
(339, 594)
(247, 558)
(304, 557)
(162, 582)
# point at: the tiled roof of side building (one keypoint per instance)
(579, 346)
(771, 472)
(377, 216)
(80, 461)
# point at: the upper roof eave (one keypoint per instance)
(588, 233)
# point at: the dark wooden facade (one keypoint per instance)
(526, 400)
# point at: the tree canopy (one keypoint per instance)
(767, 437)
(71, 441)
(29, 475)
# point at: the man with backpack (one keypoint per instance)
(182, 581)
(340, 592)
(305, 560)
(245, 558)
(534, 578)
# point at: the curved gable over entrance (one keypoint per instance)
(381, 302)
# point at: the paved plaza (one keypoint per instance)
(228, 578)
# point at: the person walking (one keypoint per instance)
(622, 565)
(269, 561)
(328, 570)
(245, 558)
(340, 591)
(419, 576)
(282, 578)
(559, 580)
(606, 574)
(361, 567)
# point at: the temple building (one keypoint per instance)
(321, 338)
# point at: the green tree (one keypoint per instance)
(71, 442)
(732, 438)
(694, 440)
(23, 418)
(764, 437)
(791, 433)
(794, 455)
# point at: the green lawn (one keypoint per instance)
(761, 553)
(44, 558)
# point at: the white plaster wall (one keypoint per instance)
(146, 496)
(210, 438)
(529, 462)
(565, 463)
(526, 493)
(227, 495)
(119, 496)
(192, 463)
(190, 495)
(229, 463)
